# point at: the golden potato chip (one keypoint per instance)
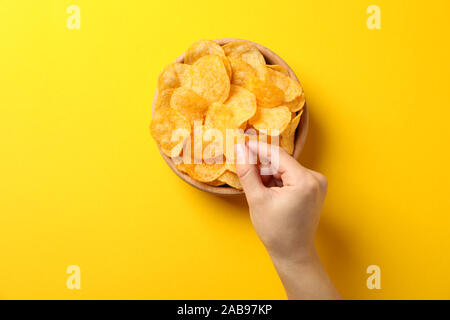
(231, 179)
(279, 68)
(213, 151)
(205, 172)
(241, 71)
(208, 78)
(288, 136)
(242, 103)
(189, 104)
(297, 104)
(232, 138)
(216, 183)
(170, 129)
(220, 117)
(273, 120)
(227, 64)
(194, 147)
(181, 167)
(202, 48)
(231, 167)
(203, 146)
(229, 119)
(248, 53)
(289, 86)
(173, 76)
(183, 72)
(267, 95)
(163, 99)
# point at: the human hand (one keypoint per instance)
(284, 207)
(285, 210)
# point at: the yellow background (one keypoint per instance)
(82, 182)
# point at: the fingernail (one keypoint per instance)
(240, 154)
(253, 145)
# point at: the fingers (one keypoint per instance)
(269, 180)
(323, 182)
(285, 166)
(248, 174)
(266, 180)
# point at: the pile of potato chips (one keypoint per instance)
(223, 89)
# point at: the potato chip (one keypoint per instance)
(203, 146)
(216, 183)
(213, 151)
(288, 136)
(193, 151)
(297, 104)
(163, 99)
(248, 53)
(231, 167)
(183, 72)
(273, 120)
(202, 48)
(231, 179)
(170, 129)
(289, 86)
(227, 64)
(189, 104)
(209, 79)
(267, 95)
(223, 119)
(241, 71)
(232, 138)
(242, 103)
(226, 119)
(279, 68)
(205, 172)
(220, 117)
(181, 167)
(173, 76)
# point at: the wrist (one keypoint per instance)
(302, 257)
(304, 276)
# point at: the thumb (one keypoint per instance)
(248, 174)
(285, 165)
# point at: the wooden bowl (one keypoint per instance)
(300, 135)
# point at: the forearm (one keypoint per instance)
(305, 278)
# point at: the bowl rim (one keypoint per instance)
(300, 133)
